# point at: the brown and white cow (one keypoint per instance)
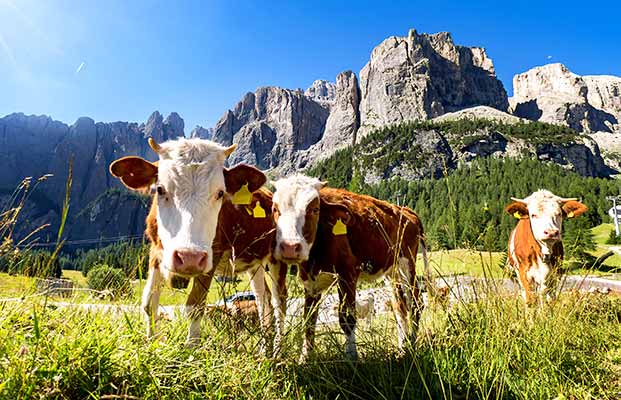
(535, 248)
(338, 236)
(205, 220)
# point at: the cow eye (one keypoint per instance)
(533, 215)
(220, 195)
(160, 190)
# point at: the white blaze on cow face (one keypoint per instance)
(546, 216)
(545, 212)
(189, 191)
(296, 213)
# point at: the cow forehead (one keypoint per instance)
(192, 151)
(543, 202)
(296, 192)
(199, 177)
(191, 164)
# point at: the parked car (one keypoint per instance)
(236, 297)
(242, 306)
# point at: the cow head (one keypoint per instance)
(296, 208)
(189, 184)
(545, 212)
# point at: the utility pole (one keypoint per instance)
(615, 215)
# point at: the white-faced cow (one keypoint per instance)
(335, 235)
(535, 249)
(204, 220)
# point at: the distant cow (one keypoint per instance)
(333, 233)
(205, 219)
(535, 249)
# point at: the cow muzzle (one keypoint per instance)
(189, 261)
(552, 235)
(290, 250)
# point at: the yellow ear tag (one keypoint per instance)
(243, 195)
(339, 228)
(258, 211)
(248, 210)
(517, 215)
(570, 215)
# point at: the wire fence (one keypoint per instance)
(83, 242)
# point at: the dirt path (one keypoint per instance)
(456, 289)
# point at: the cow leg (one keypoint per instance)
(262, 295)
(195, 307)
(347, 314)
(278, 274)
(551, 286)
(545, 292)
(527, 289)
(402, 293)
(151, 297)
(416, 301)
(311, 310)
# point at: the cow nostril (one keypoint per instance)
(189, 258)
(203, 259)
(177, 258)
(290, 249)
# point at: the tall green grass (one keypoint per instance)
(494, 348)
(491, 349)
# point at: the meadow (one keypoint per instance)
(491, 349)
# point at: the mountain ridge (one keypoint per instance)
(407, 79)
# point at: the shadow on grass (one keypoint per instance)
(593, 263)
(388, 376)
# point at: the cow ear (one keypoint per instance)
(517, 210)
(242, 174)
(136, 173)
(573, 208)
(331, 212)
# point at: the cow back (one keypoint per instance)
(378, 233)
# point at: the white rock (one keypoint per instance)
(553, 94)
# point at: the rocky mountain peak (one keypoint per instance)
(38, 145)
(422, 76)
(175, 124)
(321, 91)
(162, 129)
(84, 125)
(552, 93)
(549, 80)
(201, 133)
(153, 124)
(270, 126)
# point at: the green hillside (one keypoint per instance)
(465, 208)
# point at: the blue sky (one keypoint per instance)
(121, 60)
